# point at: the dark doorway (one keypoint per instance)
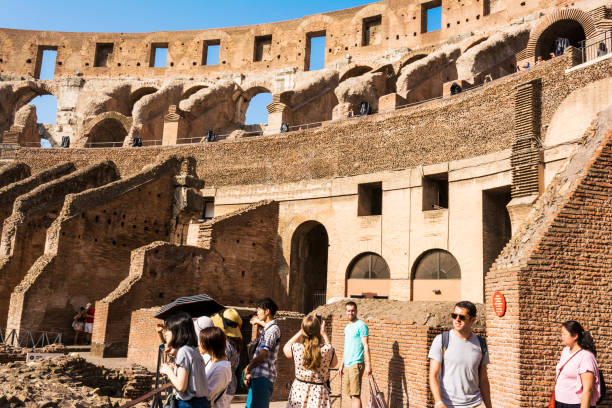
(569, 29)
(496, 227)
(308, 278)
(108, 133)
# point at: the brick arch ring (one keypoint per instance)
(125, 121)
(584, 19)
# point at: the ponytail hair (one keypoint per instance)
(312, 342)
(585, 340)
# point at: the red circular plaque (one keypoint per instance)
(499, 304)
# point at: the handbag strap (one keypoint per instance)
(564, 364)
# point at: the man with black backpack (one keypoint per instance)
(458, 363)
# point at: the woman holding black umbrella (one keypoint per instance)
(187, 374)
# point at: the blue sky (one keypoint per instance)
(156, 15)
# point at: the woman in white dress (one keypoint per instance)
(313, 356)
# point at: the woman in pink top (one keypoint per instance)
(577, 383)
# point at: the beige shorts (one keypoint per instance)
(352, 379)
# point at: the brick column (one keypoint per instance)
(527, 155)
(174, 126)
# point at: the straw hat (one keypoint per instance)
(229, 321)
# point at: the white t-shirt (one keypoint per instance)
(219, 375)
(459, 377)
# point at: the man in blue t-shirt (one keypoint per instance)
(356, 350)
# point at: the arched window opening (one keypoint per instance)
(556, 38)
(108, 133)
(437, 264)
(368, 276)
(257, 112)
(369, 266)
(436, 276)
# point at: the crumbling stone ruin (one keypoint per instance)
(475, 168)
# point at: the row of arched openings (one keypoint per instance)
(367, 274)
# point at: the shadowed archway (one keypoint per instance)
(308, 266)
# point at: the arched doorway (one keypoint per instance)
(108, 132)
(557, 36)
(368, 276)
(436, 275)
(308, 276)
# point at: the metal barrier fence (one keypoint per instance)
(29, 338)
(597, 46)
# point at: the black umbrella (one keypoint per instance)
(196, 306)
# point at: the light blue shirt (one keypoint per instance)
(353, 348)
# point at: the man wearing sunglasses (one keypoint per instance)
(458, 363)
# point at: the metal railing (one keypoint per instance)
(29, 338)
(318, 299)
(597, 46)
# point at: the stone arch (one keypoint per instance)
(354, 71)
(579, 16)
(368, 274)
(308, 265)
(25, 92)
(436, 275)
(473, 43)
(244, 99)
(137, 94)
(191, 90)
(410, 59)
(108, 129)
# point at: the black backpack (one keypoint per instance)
(602, 387)
(446, 339)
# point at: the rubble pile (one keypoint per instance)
(69, 382)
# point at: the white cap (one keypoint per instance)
(200, 323)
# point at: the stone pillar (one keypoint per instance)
(390, 102)
(278, 113)
(174, 126)
(527, 155)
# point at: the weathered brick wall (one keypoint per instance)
(10, 192)
(143, 340)
(236, 266)
(554, 269)
(159, 273)
(13, 172)
(24, 232)
(88, 246)
(247, 241)
(467, 125)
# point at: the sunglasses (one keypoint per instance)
(461, 318)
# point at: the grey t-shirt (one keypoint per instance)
(459, 376)
(191, 360)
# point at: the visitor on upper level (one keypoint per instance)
(539, 60)
(455, 88)
(602, 50)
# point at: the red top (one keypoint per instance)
(91, 311)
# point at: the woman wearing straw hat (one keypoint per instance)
(230, 322)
